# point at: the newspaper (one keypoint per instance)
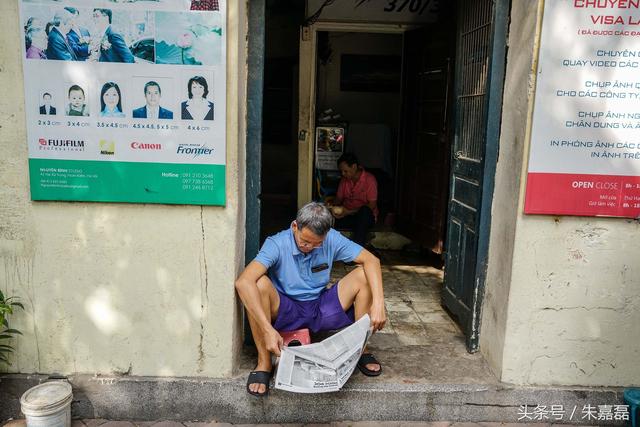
(325, 366)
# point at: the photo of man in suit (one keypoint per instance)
(58, 46)
(78, 37)
(110, 47)
(152, 109)
(46, 107)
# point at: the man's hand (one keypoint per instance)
(377, 315)
(342, 214)
(273, 341)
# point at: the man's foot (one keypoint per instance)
(258, 383)
(369, 366)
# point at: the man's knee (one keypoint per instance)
(269, 294)
(360, 279)
(264, 285)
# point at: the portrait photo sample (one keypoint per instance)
(77, 105)
(154, 106)
(47, 104)
(197, 106)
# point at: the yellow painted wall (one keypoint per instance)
(120, 288)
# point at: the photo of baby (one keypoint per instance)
(77, 105)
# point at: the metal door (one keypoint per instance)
(478, 98)
(423, 155)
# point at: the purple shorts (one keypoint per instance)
(321, 314)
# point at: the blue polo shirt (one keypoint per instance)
(292, 271)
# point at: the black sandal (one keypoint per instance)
(367, 359)
(259, 377)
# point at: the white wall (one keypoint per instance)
(574, 309)
(569, 308)
(505, 211)
(108, 288)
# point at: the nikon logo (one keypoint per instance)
(107, 148)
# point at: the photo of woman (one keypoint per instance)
(197, 107)
(111, 100)
(36, 43)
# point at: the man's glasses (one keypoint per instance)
(305, 244)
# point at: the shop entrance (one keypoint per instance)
(414, 105)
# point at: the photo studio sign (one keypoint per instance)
(125, 101)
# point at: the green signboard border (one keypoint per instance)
(127, 182)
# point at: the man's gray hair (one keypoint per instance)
(316, 217)
(62, 17)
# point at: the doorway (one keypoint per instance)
(420, 125)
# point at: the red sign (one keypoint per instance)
(585, 195)
(584, 157)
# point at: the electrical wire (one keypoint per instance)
(314, 18)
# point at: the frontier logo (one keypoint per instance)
(60, 144)
(107, 148)
(194, 150)
(145, 146)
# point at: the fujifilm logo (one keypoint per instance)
(61, 144)
(194, 150)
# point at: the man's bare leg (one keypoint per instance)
(353, 289)
(270, 304)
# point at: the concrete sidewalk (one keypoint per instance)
(106, 423)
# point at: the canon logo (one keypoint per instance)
(145, 146)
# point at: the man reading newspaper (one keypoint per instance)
(286, 287)
(325, 366)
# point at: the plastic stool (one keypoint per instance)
(632, 398)
(295, 338)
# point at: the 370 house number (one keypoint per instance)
(413, 6)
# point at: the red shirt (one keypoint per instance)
(205, 5)
(356, 194)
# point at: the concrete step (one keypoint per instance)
(225, 400)
(110, 423)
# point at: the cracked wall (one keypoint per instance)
(127, 289)
(568, 309)
(574, 308)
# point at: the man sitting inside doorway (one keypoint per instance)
(286, 287)
(356, 204)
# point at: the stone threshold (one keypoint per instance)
(225, 400)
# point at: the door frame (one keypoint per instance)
(253, 161)
(255, 72)
(502, 9)
(307, 92)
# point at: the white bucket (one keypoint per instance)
(48, 405)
